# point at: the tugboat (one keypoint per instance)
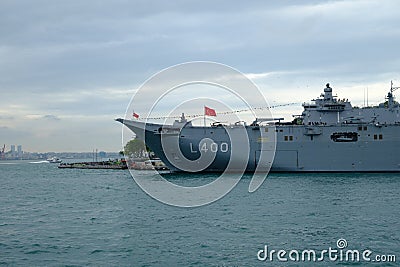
(330, 135)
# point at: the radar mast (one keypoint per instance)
(390, 97)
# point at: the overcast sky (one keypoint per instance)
(69, 68)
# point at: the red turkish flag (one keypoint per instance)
(135, 115)
(209, 111)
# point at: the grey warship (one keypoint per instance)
(330, 135)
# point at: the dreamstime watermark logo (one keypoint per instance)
(340, 253)
(187, 146)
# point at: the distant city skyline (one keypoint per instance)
(11, 148)
(69, 68)
(33, 155)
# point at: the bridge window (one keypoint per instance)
(375, 136)
(380, 137)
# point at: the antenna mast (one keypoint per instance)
(392, 89)
(390, 98)
(364, 97)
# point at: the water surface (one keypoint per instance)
(51, 216)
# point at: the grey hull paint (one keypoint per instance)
(329, 136)
(305, 153)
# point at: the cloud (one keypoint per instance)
(72, 47)
(80, 61)
(51, 117)
(7, 117)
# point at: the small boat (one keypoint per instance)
(151, 164)
(54, 160)
(156, 164)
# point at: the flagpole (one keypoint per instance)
(204, 116)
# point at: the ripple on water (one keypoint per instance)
(51, 216)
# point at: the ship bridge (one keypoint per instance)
(329, 110)
(326, 109)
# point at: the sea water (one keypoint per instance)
(72, 217)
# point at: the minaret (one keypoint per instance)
(328, 93)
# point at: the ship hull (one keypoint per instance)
(299, 148)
